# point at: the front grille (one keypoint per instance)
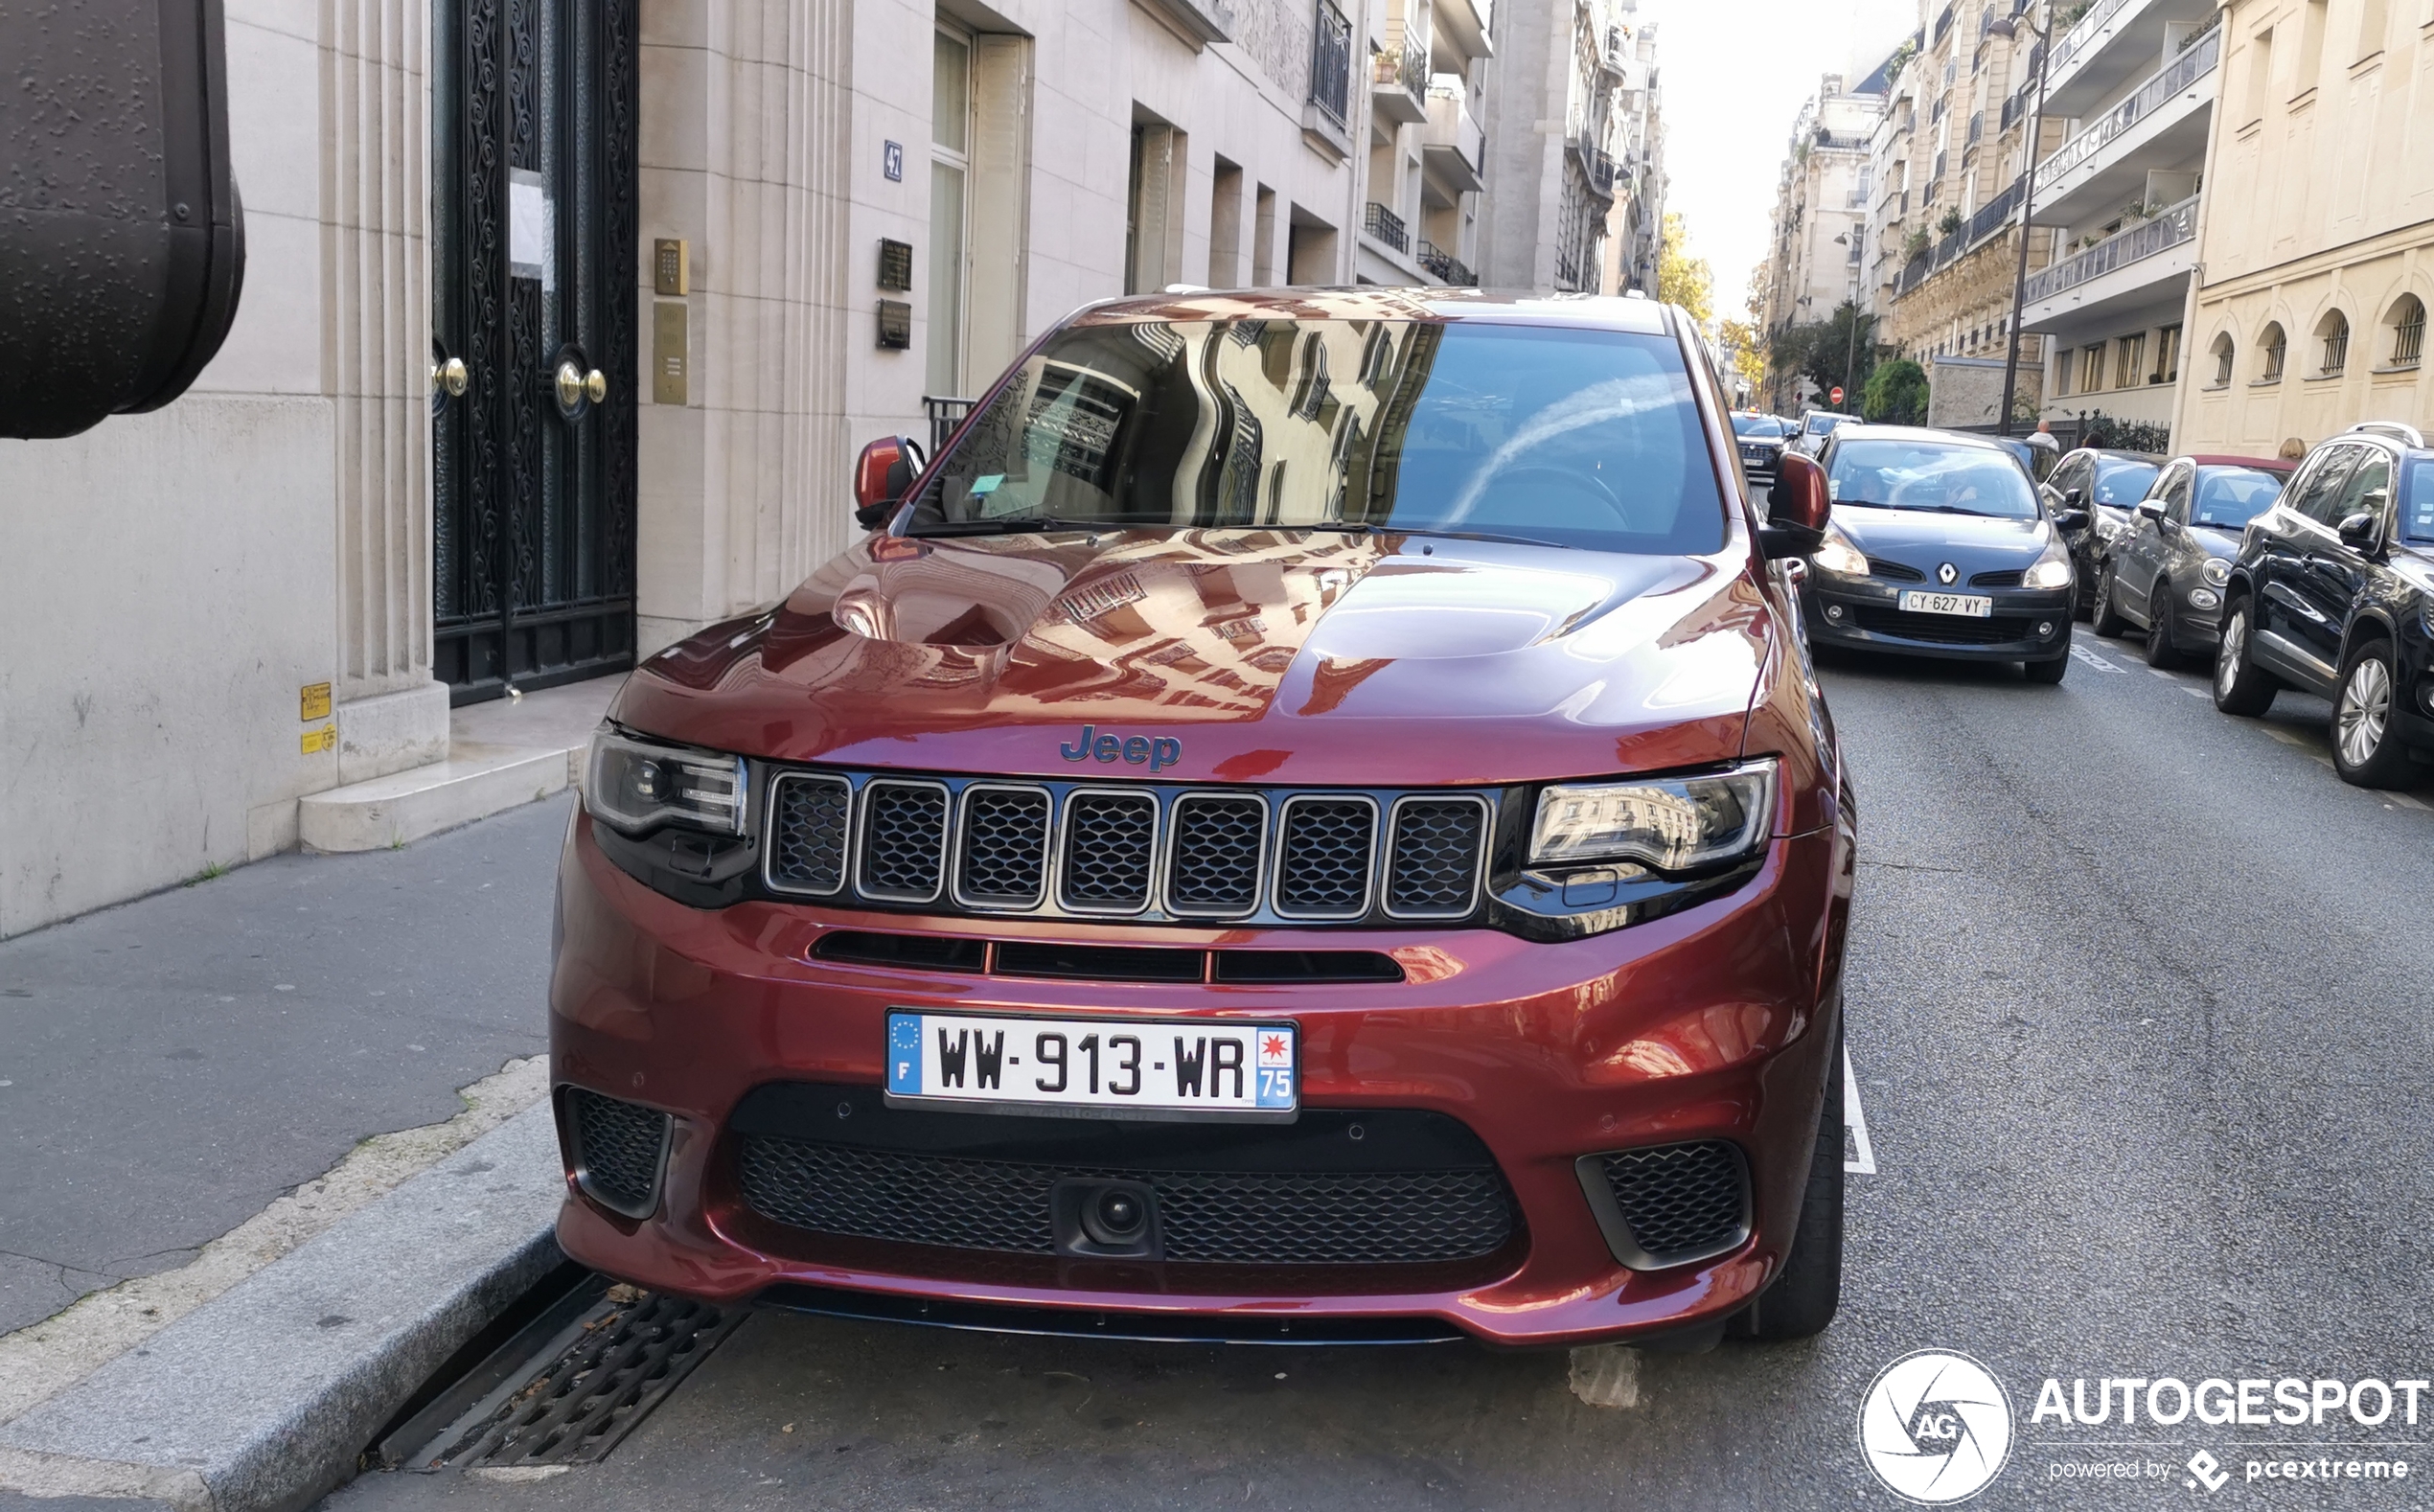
(1682, 1202)
(1943, 629)
(904, 840)
(807, 832)
(1895, 571)
(2008, 579)
(1432, 861)
(1111, 842)
(616, 1148)
(1004, 848)
(1221, 1217)
(1077, 850)
(1327, 850)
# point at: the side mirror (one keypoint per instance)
(2070, 520)
(2358, 531)
(2076, 498)
(1799, 506)
(882, 477)
(2152, 509)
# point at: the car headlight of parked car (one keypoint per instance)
(1838, 555)
(2216, 572)
(2053, 570)
(1670, 823)
(636, 786)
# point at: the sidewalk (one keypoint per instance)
(170, 1066)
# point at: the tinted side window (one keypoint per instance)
(2367, 491)
(2071, 474)
(2174, 492)
(2319, 484)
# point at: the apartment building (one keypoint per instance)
(1430, 68)
(2314, 275)
(1949, 180)
(1815, 262)
(564, 323)
(1555, 123)
(1635, 225)
(2132, 85)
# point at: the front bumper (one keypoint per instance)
(1714, 1023)
(1866, 614)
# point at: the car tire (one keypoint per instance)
(2162, 652)
(2048, 672)
(1809, 1288)
(2242, 687)
(2106, 619)
(2366, 751)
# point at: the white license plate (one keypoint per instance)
(1975, 605)
(1094, 1068)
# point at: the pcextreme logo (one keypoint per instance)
(1935, 1427)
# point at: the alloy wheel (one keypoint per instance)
(2227, 660)
(2365, 711)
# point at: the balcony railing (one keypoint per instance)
(1445, 266)
(2080, 36)
(2169, 229)
(1977, 127)
(1404, 68)
(1331, 63)
(1382, 225)
(2191, 66)
(1991, 217)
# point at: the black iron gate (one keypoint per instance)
(533, 259)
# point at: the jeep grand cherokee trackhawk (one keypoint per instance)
(1309, 819)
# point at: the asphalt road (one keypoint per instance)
(2140, 1002)
(170, 1066)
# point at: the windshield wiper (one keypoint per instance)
(1347, 527)
(1015, 525)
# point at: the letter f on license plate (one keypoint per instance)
(1094, 1068)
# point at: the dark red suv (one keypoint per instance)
(1309, 819)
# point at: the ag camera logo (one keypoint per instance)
(1935, 1427)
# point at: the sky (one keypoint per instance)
(1735, 75)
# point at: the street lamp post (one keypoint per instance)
(1850, 331)
(2008, 27)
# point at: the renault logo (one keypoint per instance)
(1947, 574)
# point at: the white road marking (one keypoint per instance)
(2285, 737)
(2093, 660)
(1856, 1121)
(2407, 802)
(2195, 693)
(2161, 672)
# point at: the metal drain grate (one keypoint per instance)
(629, 1354)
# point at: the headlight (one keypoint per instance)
(2216, 572)
(636, 786)
(1671, 823)
(2053, 570)
(1838, 555)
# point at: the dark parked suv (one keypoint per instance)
(2334, 594)
(2108, 485)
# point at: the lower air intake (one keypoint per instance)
(615, 1149)
(1671, 1204)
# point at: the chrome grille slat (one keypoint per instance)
(1435, 850)
(1215, 855)
(904, 840)
(1109, 851)
(1002, 846)
(1326, 856)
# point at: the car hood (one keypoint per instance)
(1243, 654)
(1971, 543)
(2218, 541)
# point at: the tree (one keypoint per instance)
(1840, 351)
(1896, 393)
(1682, 279)
(1739, 340)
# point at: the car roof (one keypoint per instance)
(1957, 438)
(2282, 466)
(1585, 312)
(2117, 454)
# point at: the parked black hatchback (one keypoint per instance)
(2107, 485)
(2334, 594)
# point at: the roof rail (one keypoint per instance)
(2408, 435)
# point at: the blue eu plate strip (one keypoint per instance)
(903, 1054)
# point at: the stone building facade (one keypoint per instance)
(1816, 260)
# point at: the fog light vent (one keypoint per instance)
(1671, 1204)
(615, 1150)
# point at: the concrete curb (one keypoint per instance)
(261, 1400)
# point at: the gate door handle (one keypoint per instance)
(450, 377)
(596, 385)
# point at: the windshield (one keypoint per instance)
(1569, 437)
(2232, 497)
(2417, 501)
(2123, 483)
(1819, 424)
(1765, 426)
(1925, 476)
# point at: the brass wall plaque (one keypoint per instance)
(669, 323)
(313, 701)
(671, 267)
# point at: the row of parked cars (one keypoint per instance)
(2314, 574)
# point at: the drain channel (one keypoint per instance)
(609, 1368)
